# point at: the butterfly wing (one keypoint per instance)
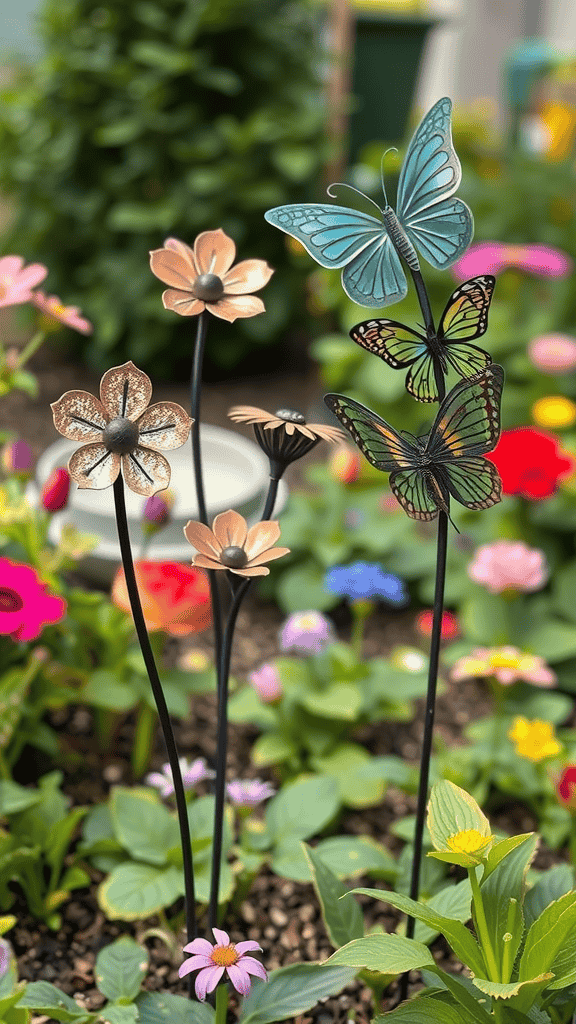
(400, 347)
(383, 446)
(468, 421)
(439, 226)
(375, 276)
(333, 235)
(474, 482)
(465, 318)
(415, 492)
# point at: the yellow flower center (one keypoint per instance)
(504, 659)
(307, 622)
(57, 309)
(534, 740)
(554, 412)
(468, 841)
(225, 956)
(515, 253)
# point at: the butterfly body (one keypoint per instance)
(426, 471)
(428, 217)
(464, 319)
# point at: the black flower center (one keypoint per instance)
(10, 600)
(290, 416)
(208, 287)
(120, 435)
(234, 557)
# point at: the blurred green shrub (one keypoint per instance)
(148, 119)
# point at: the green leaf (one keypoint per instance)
(133, 891)
(121, 968)
(120, 1014)
(344, 764)
(105, 690)
(46, 999)
(302, 587)
(162, 1008)
(246, 706)
(389, 954)
(339, 700)
(463, 991)
(272, 748)
(302, 808)
(452, 902)
(347, 856)
(142, 824)
(428, 1010)
(551, 885)
(291, 991)
(455, 932)
(520, 993)
(553, 640)
(343, 918)
(501, 850)
(452, 810)
(506, 883)
(547, 936)
(14, 798)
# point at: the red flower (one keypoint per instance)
(530, 462)
(56, 489)
(566, 787)
(25, 607)
(450, 628)
(174, 597)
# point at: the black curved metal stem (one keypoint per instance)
(423, 300)
(195, 386)
(222, 747)
(270, 498)
(442, 543)
(167, 731)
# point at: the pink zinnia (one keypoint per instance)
(249, 792)
(17, 281)
(51, 306)
(553, 353)
(449, 629)
(566, 787)
(212, 960)
(267, 683)
(506, 665)
(492, 257)
(25, 606)
(508, 565)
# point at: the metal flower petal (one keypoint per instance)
(125, 391)
(164, 426)
(79, 416)
(230, 529)
(183, 303)
(260, 537)
(174, 265)
(246, 277)
(214, 252)
(202, 538)
(145, 471)
(234, 307)
(94, 467)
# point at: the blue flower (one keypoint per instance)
(363, 581)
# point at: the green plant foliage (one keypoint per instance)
(291, 991)
(147, 120)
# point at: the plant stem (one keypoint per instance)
(168, 733)
(507, 961)
(195, 387)
(143, 739)
(482, 925)
(29, 350)
(221, 1004)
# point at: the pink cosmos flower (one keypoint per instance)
(492, 257)
(17, 281)
(18, 458)
(267, 683)
(249, 792)
(553, 353)
(192, 773)
(505, 664)
(25, 606)
(212, 960)
(508, 565)
(306, 633)
(52, 307)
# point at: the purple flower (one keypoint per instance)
(363, 581)
(5, 956)
(306, 633)
(156, 512)
(17, 458)
(267, 683)
(192, 773)
(211, 962)
(249, 792)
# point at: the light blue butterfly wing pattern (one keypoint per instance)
(438, 224)
(375, 276)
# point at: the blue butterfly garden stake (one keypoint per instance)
(447, 462)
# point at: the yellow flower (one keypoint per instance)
(554, 412)
(469, 841)
(13, 510)
(534, 739)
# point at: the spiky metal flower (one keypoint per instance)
(231, 545)
(204, 278)
(285, 435)
(122, 430)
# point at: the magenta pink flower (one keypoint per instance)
(508, 565)
(506, 665)
(25, 606)
(17, 281)
(306, 633)
(52, 307)
(249, 792)
(492, 257)
(193, 772)
(553, 353)
(267, 683)
(212, 960)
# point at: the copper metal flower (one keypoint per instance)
(231, 545)
(285, 435)
(121, 430)
(204, 278)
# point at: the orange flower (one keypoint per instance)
(204, 278)
(231, 545)
(175, 598)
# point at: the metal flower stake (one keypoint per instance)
(426, 471)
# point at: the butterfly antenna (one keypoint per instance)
(391, 149)
(343, 184)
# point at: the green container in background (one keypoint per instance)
(387, 56)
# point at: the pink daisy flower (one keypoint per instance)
(249, 792)
(492, 257)
(212, 960)
(52, 307)
(25, 606)
(17, 281)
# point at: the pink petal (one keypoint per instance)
(10, 266)
(236, 306)
(30, 276)
(198, 945)
(222, 938)
(246, 946)
(239, 978)
(182, 303)
(200, 960)
(207, 980)
(246, 277)
(253, 966)
(125, 391)
(214, 252)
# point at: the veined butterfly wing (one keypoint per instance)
(375, 276)
(418, 493)
(383, 446)
(466, 318)
(394, 342)
(440, 226)
(474, 482)
(468, 421)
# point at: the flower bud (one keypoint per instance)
(566, 788)
(17, 459)
(156, 513)
(56, 489)
(267, 683)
